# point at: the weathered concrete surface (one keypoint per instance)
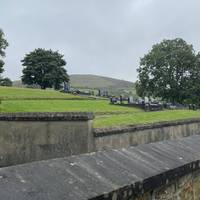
(123, 137)
(26, 137)
(116, 174)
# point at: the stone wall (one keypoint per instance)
(26, 137)
(141, 134)
(183, 188)
(167, 170)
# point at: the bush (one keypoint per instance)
(6, 82)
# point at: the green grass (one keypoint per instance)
(143, 118)
(107, 115)
(96, 106)
(27, 93)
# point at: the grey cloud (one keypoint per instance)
(105, 37)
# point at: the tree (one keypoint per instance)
(6, 82)
(3, 45)
(166, 70)
(44, 68)
(193, 89)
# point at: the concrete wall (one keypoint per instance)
(36, 136)
(26, 137)
(167, 170)
(134, 135)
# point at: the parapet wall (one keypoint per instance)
(123, 137)
(167, 170)
(26, 137)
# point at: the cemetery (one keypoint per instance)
(70, 145)
(126, 128)
(144, 104)
(35, 100)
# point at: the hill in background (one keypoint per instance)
(112, 85)
(94, 82)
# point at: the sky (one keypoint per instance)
(102, 37)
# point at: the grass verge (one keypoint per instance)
(143, 118)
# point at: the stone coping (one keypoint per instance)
(106, 175)
(47, 116)
(101, 132)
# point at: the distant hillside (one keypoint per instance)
(112, 85)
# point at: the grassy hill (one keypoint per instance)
(94, 81)
(112, 85)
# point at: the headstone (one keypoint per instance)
(131, 100)
(121, 99)
(140, 100)
(146, 100)
(66, 86)
(99, 93)
(152, 99)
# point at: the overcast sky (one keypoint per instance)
(103, 37)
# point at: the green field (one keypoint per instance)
(96, 106)
(9, 93)
(36, 100)
(107, 115)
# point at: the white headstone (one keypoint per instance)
(140, 100)
(146, 100)
(130, 99)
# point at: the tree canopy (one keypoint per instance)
(6, 82)
(3, 45)
(45, 68)
(170, 71)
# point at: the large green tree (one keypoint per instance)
(166, 70)
(3, 45)
(45, 68)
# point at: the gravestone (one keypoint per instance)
(66, 86)
(146, 100)
(131, 100)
